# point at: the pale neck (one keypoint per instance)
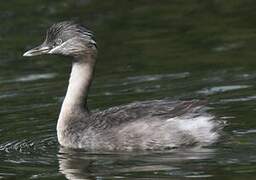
(79, 83)
(74, 107)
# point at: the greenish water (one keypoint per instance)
(147, 50)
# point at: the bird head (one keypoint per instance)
(66, 38)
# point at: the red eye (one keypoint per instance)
(58, 42)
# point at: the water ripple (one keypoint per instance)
(249, 98)
(33, 77)
(156, 77)
(221, 89)
(30, 77)
(7, 95)
(244, 132)
(28, 146)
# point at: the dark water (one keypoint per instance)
(148, 50)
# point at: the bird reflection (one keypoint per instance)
(82, 165)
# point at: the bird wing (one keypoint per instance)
(160, 109)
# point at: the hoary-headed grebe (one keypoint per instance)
(152, 125)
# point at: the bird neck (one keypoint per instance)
(74, 107)
(79, 84)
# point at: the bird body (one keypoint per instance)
(147, 125)
(151, 125)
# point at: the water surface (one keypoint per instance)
(147, 50)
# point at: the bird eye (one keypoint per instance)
(57, 42)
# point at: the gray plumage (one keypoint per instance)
(66, 30)
(158, 124)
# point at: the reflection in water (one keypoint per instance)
(73, 168)
(78, 164)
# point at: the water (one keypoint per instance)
(148, 50)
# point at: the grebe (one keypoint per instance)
(147, 125)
